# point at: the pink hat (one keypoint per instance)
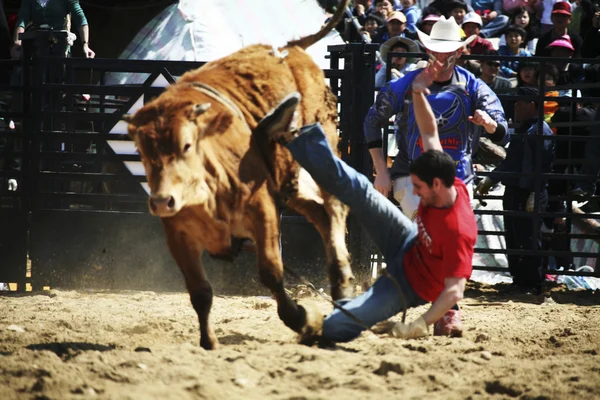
(563, 41)
(431, 18)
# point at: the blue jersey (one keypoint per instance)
(452, 103)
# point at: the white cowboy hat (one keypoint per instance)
(390, 43)
(445, 37)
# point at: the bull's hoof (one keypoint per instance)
(312, 331)
(209, 343)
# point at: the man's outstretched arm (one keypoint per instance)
(423, 112)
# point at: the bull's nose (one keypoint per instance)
(162, 205)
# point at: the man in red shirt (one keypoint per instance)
(430, 259)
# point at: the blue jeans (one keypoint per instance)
(392, 232)
(494, 27)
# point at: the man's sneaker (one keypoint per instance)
(449, 325)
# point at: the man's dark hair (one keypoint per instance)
(377, 19)
(457, 4)
(551, 70)
(434, 164)
(516, 29)
(529, 91)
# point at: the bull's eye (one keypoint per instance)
(187, 147)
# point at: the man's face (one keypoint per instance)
(560, 52)
(399, 62)
(370, 26)
(458, 14)
(522, 19)
(560, 20)
(471, 28)
(528, 75)
(525, 110)
(514, 40)
(490, 69)
(395, 27)
(426, 27)
(426, 193)
(384, 7)
(408, 3)
(447, 59)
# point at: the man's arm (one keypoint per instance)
(489, 113)
(426, 122)
(454, 289)
(386, 105)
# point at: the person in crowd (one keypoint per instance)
(399, 65)
(561, 17)
(569, 73)
(591, 44)
(383, 7)
(443, 7)
(527, 73)
(458, 10)
(372, 25)
(412, 13)
(491, 14)
(362, 9)
(546, 14)
(430, 260)
(395, 26)
(472, 24)
(522, 18)
(52, 13)
(582, 13)
(515, 36)
(489, 74)
(462, 104)
(427, 23)
(520, 190)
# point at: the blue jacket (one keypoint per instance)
(521, 155)
(452, 105)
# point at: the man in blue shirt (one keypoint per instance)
(461, 103)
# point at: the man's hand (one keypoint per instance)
(89, 53)
(416, 329)
(383, 183)
(395, 73)
(484, 186)
(482, 118)
(425, 78)
(530, 204)
(360, 10)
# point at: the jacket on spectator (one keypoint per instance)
(541, 49)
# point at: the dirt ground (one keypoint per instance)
(144, 345)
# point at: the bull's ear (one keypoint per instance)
(199, 109)
(280, 118)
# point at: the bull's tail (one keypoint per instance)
(309, 40)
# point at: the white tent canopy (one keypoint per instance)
(194, 30)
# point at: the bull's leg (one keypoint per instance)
(266, 230)
(186, 253)
(328, 215)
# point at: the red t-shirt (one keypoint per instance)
(444, 246)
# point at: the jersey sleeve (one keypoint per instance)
(387, 104)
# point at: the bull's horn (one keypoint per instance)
(201, 108)
(127, 118)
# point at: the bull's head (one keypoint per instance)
(168, 134)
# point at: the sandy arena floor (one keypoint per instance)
(144, 345)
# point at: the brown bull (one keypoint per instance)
(210, 180)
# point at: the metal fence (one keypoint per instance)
(557, 246)
(79, 210)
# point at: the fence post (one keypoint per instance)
(358, 89)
